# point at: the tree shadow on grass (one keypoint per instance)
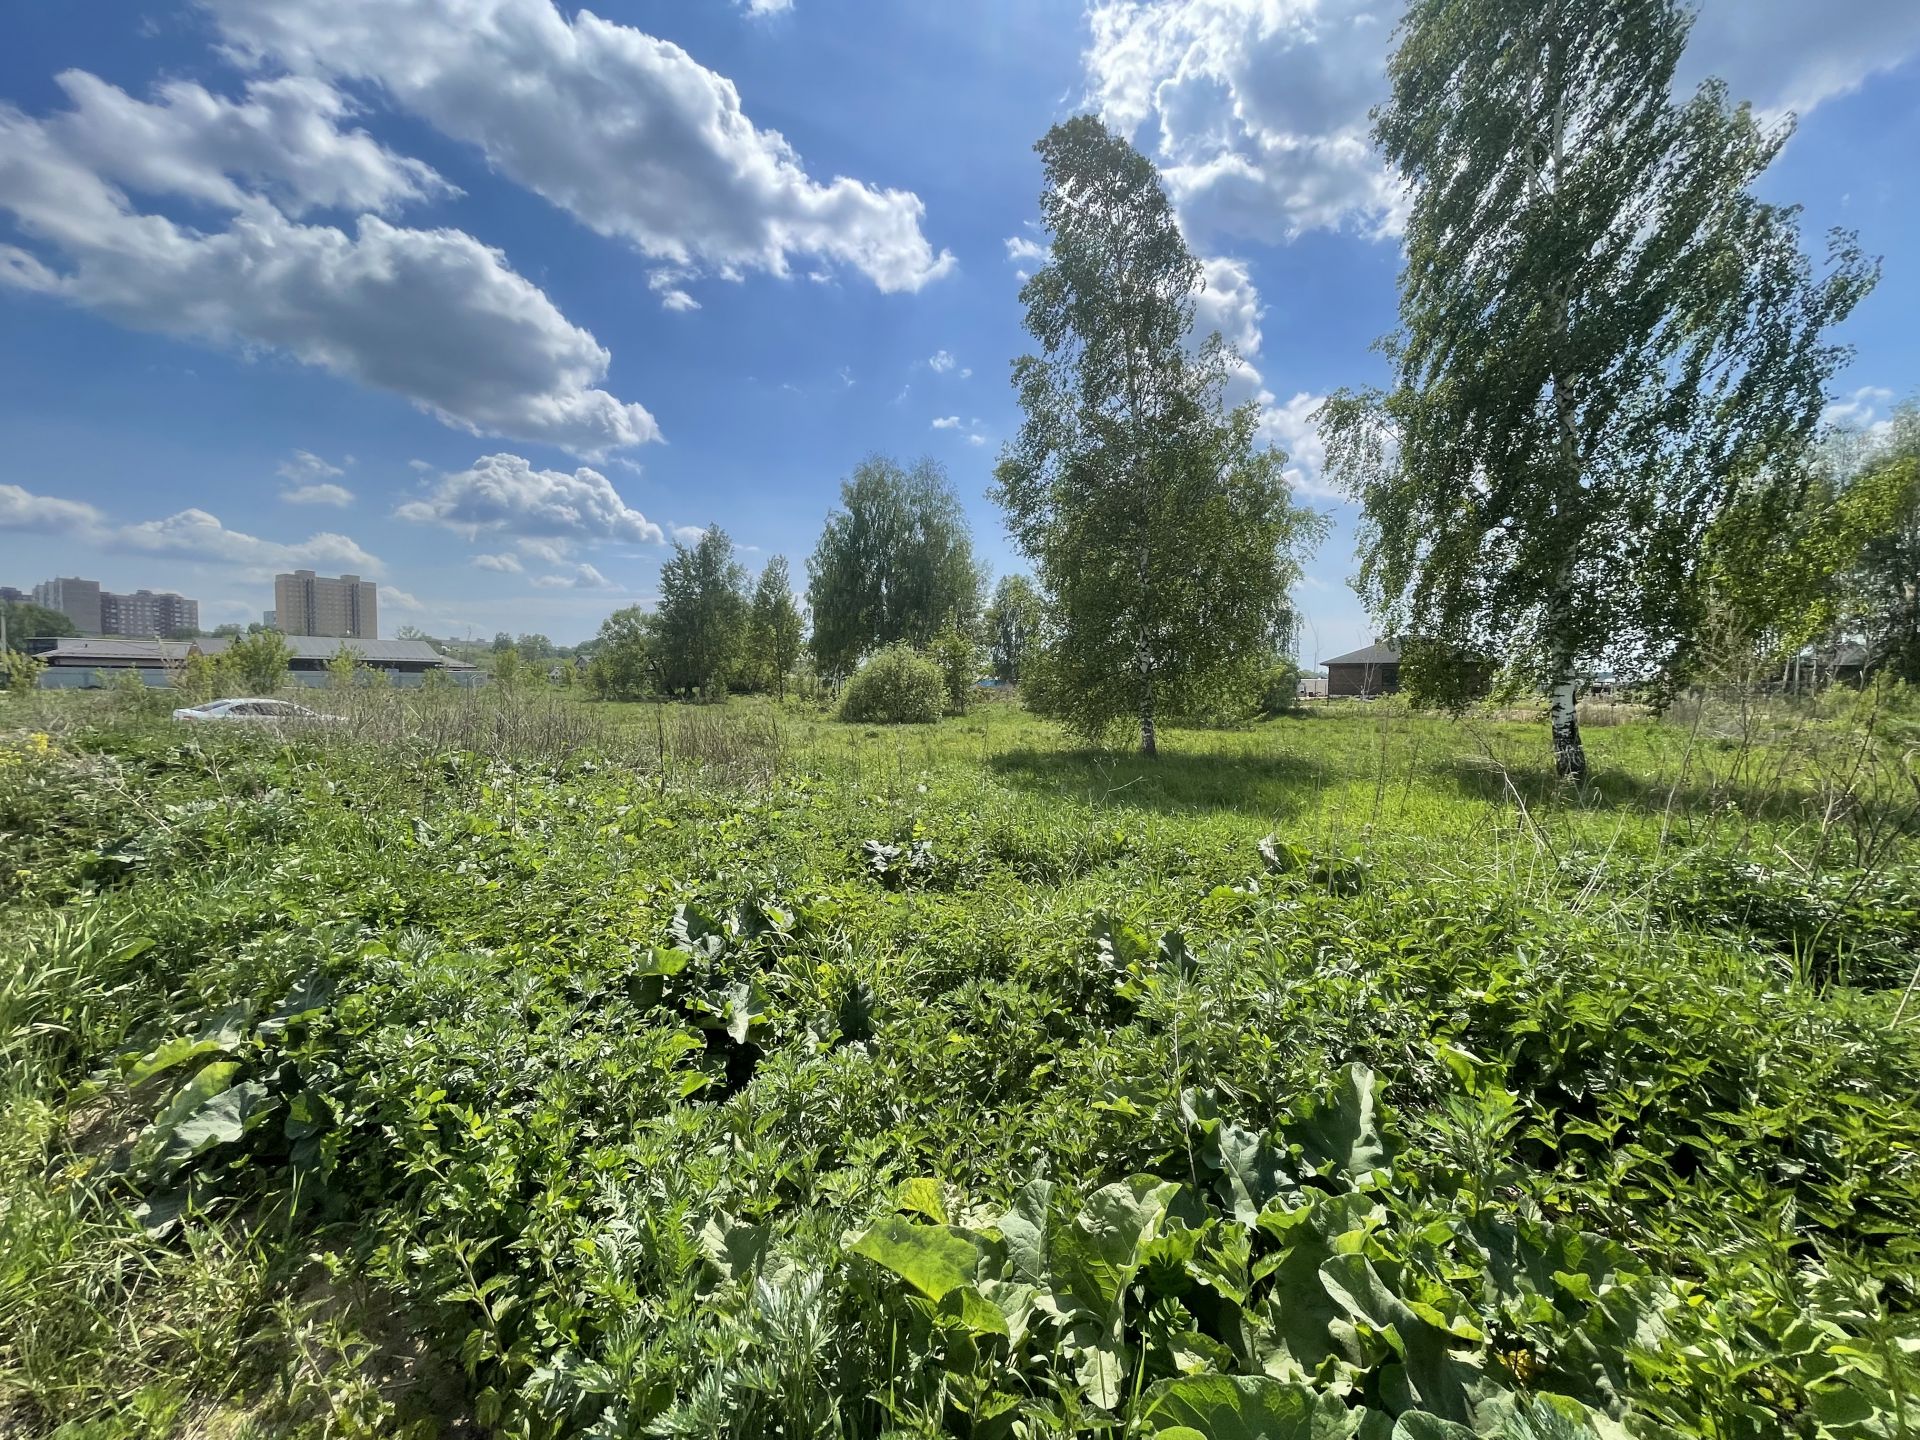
(1265, 785)
(1696, 797)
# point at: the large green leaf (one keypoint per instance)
(1024, 1228)
(1099, 1253)
(220, 1118)
(1419, 1425)
(1435, 1378)
(207, 1082)
(934, 1259)
(1252, 1171)
(1248, 1407)
(1341, 1132)
(220, 1033)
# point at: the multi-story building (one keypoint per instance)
(141, 615)
(144, 614)
(13, 595)
(308, 604)
(78, 600)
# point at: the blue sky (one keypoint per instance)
(485, 298)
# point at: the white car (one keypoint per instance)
(254, 711)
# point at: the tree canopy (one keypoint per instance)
(26, 619)
(1603, 336)
(701, 624)
(775, 628)
(1162, 531)
(894, 564)
(1012, 625)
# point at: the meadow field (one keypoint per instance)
(538, 1067)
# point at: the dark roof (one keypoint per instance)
(1375, 654)
(372, 652)
(302, 647)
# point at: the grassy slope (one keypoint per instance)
(520, 1134)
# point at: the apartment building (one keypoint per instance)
(77, 599)
(308, 604)
(145, 614)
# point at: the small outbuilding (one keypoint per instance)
(79, 663)
(1363, 674)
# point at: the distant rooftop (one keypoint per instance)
(1374, 654)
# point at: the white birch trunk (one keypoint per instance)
(1569, 755)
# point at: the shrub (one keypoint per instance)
(898, 686)
(959, 660)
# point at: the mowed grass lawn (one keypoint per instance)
(544, 1067)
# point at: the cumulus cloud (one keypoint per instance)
(624, 131)
(504, 493)
(1257, 110)
(1291, 426)
(767, 7)
(44, 514)
(940, 362)
(431, 315)
(284, 140)
(1860, 409)
(196, 535)
(394, 598)
(581, 577)
(191, 534)
(310, 481)
(946, 422)
(1020, 248)
(504, 564)
(688, 534)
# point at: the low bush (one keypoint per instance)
(898, 686)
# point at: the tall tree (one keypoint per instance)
(894, 563)
(774, 627)
(26, 620)
(702, 618)
(1164, 535)
(1882, 594)
(1012, 625)
(1604, 335)
(624, 657)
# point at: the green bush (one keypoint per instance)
(897, 686)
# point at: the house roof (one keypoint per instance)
(109, 650)
(371, 652)
(1375, 654)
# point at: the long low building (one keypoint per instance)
(81, 664)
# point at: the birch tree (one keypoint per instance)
(1163, 534)
(701, 624)
(1604, 335)
(774, 627)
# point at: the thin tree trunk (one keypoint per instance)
(1149, 744)
(1569, 755)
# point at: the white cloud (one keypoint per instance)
(431, 315)
(947, 422)
(318, 494)
(668, 283)
(504, 564)
(626, 132)
(394, 598)
(1019, 247)
(581, 577)
(1862, 408)
(284, 140)
(553, 552)
(196, 535)
(1291, 426)
(310, 481)
(767, 7)
(1257, 110)
(44, 514)
(940, 362)
(505, 493)
(688, 534)
(966, 373)
(976, 439)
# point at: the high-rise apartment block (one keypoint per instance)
(308, 604)
(78, 600)
(142, 615)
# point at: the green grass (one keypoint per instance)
(584, 1069)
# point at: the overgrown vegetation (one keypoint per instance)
(552, 1069)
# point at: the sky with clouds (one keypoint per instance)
(491, 300)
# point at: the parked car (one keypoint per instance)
(255, 711)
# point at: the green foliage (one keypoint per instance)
(1163, 533)
(1013, 625)
(1881, 598)
(199, 678)
(775, 629)
(344, 668)
(1600, 343)
(897, 686)
(700, 629)
(507, 668)
(623, 663)
(257, 662)
(26, 620)
(22, 671)
(942, 1082)
(894, 564)
(958, 659)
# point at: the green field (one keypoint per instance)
(543, 1068)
